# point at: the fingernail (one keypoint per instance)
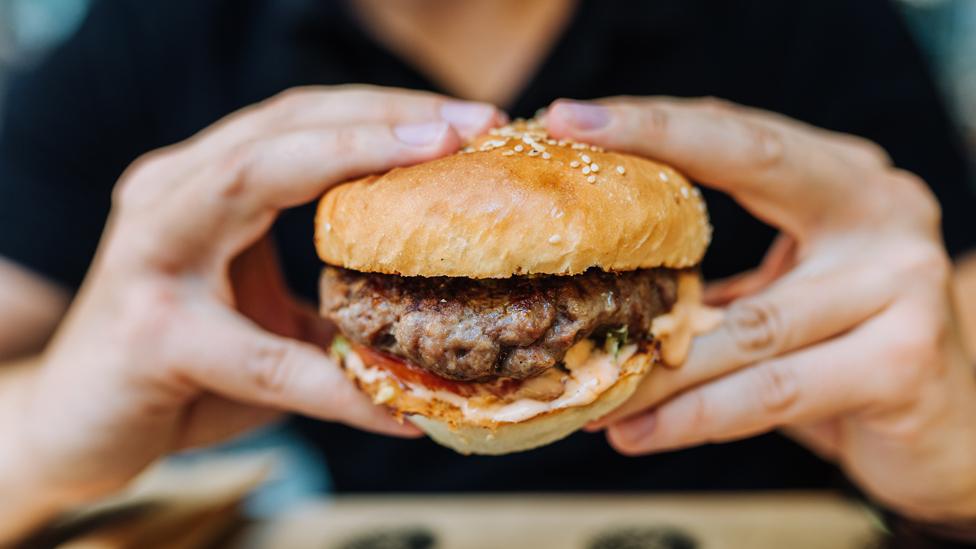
(585, 116)
(638, 429)
(467, 117)
(421, 134)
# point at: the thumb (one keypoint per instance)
(232, 357)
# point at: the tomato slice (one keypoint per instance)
(404, 371)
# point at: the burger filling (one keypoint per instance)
(588, 373)
(493, 331)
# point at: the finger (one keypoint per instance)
(311, 108)
(779, 259)
(224, 353)
(795, 312)
(226, 207)
(213, 419)
(806, 386)
(784, 176)
(321, 106)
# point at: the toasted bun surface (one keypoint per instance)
(516, 203)
(447, 425)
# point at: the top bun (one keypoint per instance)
(515, 202)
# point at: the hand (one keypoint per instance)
(183, 333)
(845, 337)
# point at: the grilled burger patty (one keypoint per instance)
(467, 329)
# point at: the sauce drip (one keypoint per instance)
(687, 319)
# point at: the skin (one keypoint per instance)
(478, 49)
(183, 333)
(845, 337)
(149, 355)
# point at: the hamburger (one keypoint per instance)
(502, 297)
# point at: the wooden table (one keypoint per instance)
(774, 521)
(198, 505)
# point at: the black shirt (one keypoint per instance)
(139, 75)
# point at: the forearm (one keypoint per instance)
(23, 505)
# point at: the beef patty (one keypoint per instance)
(467, 329)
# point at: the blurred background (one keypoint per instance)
(946, 30)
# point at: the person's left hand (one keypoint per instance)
(845, 337)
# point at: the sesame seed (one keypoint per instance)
(546, 156)
(468, 149)
(684, 192)
(621, 170)
(554, 239)
(534, 152)
(493, 131)
(508, 153)
(663, 176)
(586, 158)
(586, 170)
(574, 164)
(519, 148)
(591, 179)
(579, 146)
(595, 167)
(328, 227)
(550, 141)
(556, 213)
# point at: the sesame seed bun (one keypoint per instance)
(514, 203)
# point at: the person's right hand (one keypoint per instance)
(183, 333)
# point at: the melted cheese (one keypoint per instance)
(589, 377)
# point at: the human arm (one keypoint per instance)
(852, 346)
(181, 334)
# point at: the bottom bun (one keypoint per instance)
(508, 438)
(485, 433)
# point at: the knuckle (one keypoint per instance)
(290, 100)
(867, 151)
(717, 105)
(764, 146)
(913, 191)
(654, 122)
(136, 187)
(701, 417)
(756, 326)
(778, 386)
(347, 142)
(230, 179)
(270, 367)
